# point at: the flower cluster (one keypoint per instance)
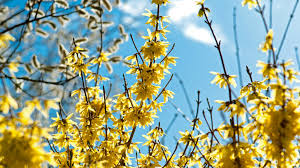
(103, 137)
(21, 143)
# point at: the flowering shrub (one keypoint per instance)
(263, 131)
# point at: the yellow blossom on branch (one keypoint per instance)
(7, 102)
(160, 2)
(223, 80)
(250, 3)
(268, 70)
(267, 45)
(4, 40)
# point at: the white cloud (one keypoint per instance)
(130, 21)
(199, 34)
(134, 7)
(181, 10)
(183, 13)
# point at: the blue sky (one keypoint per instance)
(196, 52)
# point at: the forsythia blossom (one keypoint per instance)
(4, 39)
(250, 3)
(267, 45)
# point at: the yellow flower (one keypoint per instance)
(62, 140)
(94, 76)
(74, 55)
(49, 104)
(166, 94)
(162, 32)
(250, 3)
(144, 91)
(289, 73)
(152, 18)
(282, 127)
(154, 49)
(169, 60)
(20, 147)
(255, 86)
(13, 67)
(6, 102)
(223, 80)
(80, 67)
(238, 108)
(230, 156)
(225, 106)
(200, 2)
(102, 58)
(159, 2)
(186, 137)
(268, 70)
(267, 45)
(203, 9)
(153, 74)
(63, 125)
(4, 39)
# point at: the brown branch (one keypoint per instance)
(261, 12)
(168, 53)
(136, 48)
(171, 155)
(38, 80)
(164, 88)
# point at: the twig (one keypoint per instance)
(12, 16)
(271, 14)
(126, 91)
(237, 47)
(169, 127)
(101, 45)
(23, 90)
(297, 57)
(211, 130)
(218, 47)
(178, 110)
(164, 88)
(38, 80)
(171, 155)
(286, 29)
(185, 94)
(43, 17)
(168, 53)
(136, 48)
(260, 10)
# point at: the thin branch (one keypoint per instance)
(164, 88)
(101, 46)
(11, 17)
(136, 48)
(271, 14)
(286, 29)
(127, 92)
(169, 127)
(38, 80)
(171, 155)
(237, 49)
(218, 46)
(178, 110)
(297, 57)
(185, 95)
(210, 129)
(43, 17)
(168, 53)
(260, 10)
